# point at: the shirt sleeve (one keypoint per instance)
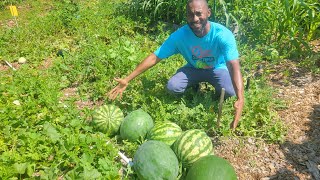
(228, 46)
(168, 48)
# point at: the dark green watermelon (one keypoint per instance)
(211, 167)
(155, 160)
(136, 125)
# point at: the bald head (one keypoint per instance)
(202, 1)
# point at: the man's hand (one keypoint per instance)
(238, 107)
(118, 89)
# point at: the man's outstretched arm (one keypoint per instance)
(146, 64)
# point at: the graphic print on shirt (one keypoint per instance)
(203, 59)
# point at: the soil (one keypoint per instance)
(298, 157)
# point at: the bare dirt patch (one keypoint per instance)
(46, 64)
(315, 45)
(72, 92)
(5, 67)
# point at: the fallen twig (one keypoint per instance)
(10, 65)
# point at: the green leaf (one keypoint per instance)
(20, 168)
(87, 159)
(51, 132)
(91, 174)
(30, 169)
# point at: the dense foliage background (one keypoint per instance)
(45, 133)
(282, 25)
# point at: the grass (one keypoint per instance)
(45, 135)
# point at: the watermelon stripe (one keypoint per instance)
(192, 150)
(162, 127)
(156, 129)
(188, 138)
(167, 141)
(198, 140)
(192, 145)
(164, 131)
(165, 138)
(183, 141)
(205, 151)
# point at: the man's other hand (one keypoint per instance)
(122, 85)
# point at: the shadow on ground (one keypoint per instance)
(304, 157)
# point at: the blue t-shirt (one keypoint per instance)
(211, 51)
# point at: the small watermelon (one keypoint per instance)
(211, 168)
(166, 132)
(108, 118)
(136, 125)
(192, 145)
(154, 160)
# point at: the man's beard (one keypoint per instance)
(198, 30)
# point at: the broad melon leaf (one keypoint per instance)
(51, 132)
(20, 168)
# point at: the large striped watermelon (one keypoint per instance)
(192, 145)
(136, 125)
(166, 132)
(154, 160)
(108, 118)
(211, 168)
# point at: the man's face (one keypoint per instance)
(197, 17)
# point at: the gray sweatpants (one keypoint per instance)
(188, 76)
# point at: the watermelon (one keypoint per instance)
(211, 168)
(192, 145)
(154, 160)
(166, 132)
(108, 118)
(136, 125)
